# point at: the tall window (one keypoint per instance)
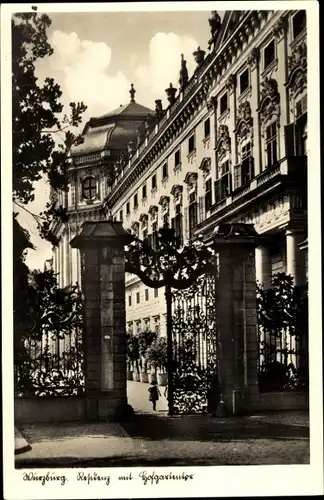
(129, 300)
(135, 201)
(269, 54)
(193, 209)
(177, 221)
(89, 188)
(191, 144)
(244, 80)
(146, 294)
(223, 183)
(154, 234)
(156, 292)
(223, 103)
(154, 181)
(137, 297)
(121, 216)
(165, 171)
(299, 22)
(207, 128)
(247, 163)
(144, 192)
(208, 195)
(127, 208)
(271, 144)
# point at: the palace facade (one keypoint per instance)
(230, 147)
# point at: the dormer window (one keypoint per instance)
(89, 188)
(299, 23)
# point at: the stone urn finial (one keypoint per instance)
(170, 92)
(199, 56)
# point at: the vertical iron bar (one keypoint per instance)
(168, 298)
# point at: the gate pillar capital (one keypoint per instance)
(101, 246)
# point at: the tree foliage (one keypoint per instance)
(41, 134)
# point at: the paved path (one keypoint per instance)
(137, 395)
(154, 439)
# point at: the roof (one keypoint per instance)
(132, 109)
(113, 130)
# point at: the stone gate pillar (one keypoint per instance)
(236, 314)
(101, 245)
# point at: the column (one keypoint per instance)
(295, 258)
(103, 283)
(62, 284)
(263, 266)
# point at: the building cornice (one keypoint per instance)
(189, 102)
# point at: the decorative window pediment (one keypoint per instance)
(153, 211)
(244, 122)
(270, 100)
(297, 68)
(143, 219)
(205, 166)
(176, 192)
(135, 228)
(191, 180)
(165, 203)
(223, 146)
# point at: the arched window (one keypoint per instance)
(89, 188)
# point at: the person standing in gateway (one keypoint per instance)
(154, 394)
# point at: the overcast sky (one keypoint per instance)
(98, 55)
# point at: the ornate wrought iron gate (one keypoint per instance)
(194, 341)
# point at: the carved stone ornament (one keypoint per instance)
(280, 28)
(230, 83)
(254, 57)
(165, 203)
(191, 180)
(297, 67)
(212, 103)
(176, 192)
(270, 100)
(205, 166)
(223, 141)
(244, 122)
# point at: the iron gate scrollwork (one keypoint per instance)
(188, 273)
(194, 340)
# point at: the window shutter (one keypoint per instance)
(290, 145)
(201, 209)
(237, 176)
(186, 223)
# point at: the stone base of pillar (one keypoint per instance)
(107, 406)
